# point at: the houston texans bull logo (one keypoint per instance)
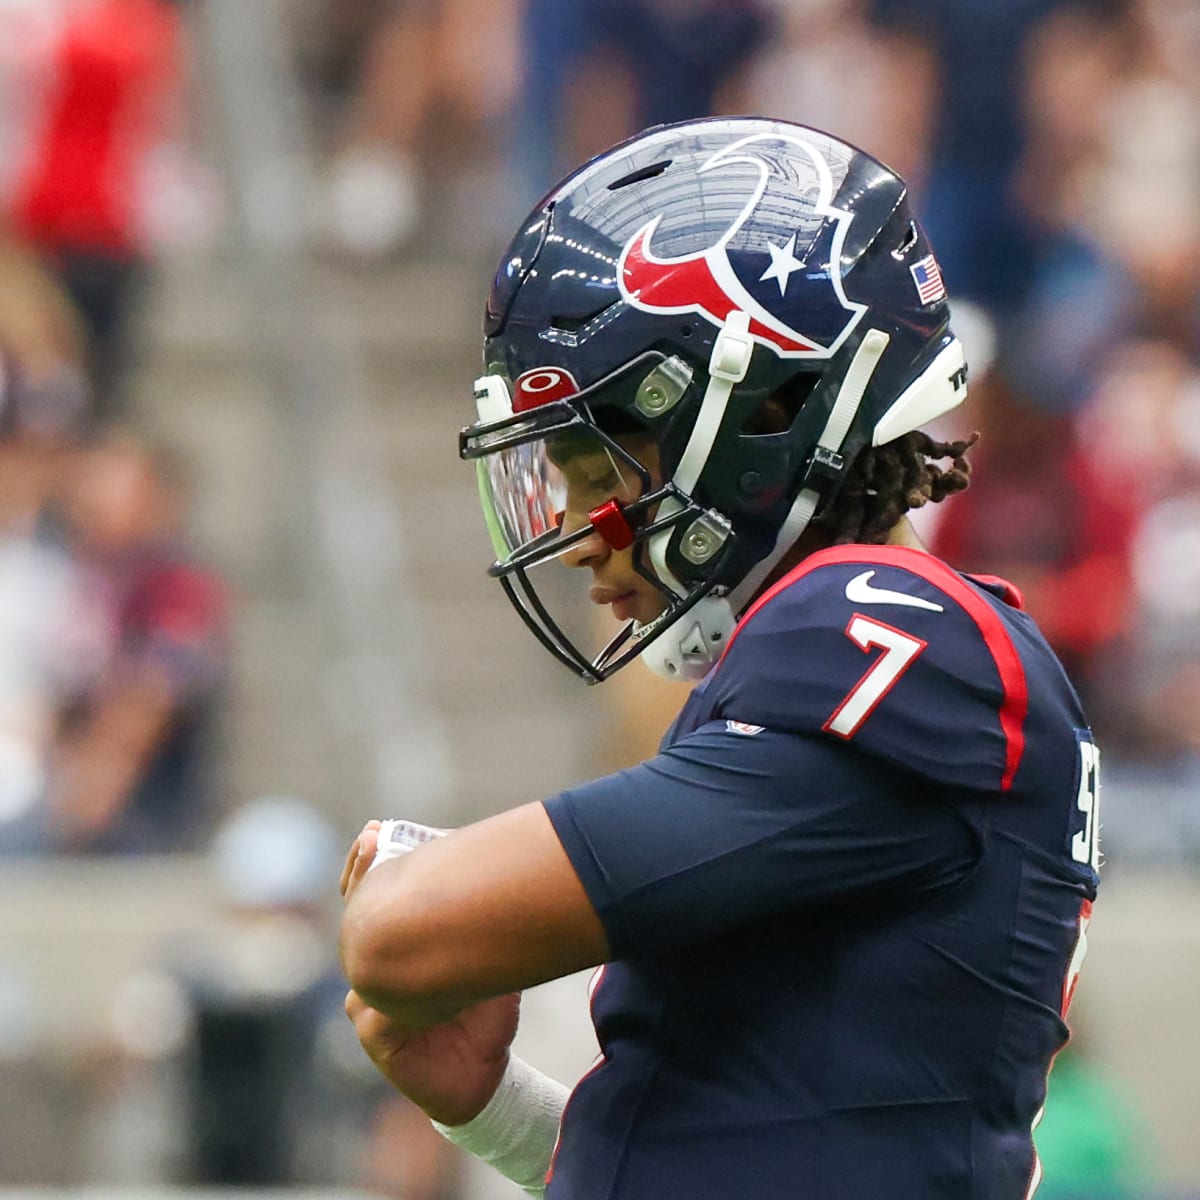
(752, 269)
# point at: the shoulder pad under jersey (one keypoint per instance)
(889, 648)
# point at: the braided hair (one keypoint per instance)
(885, 482)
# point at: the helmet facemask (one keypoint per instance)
(557, 477)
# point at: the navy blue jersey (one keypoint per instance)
(846, 902)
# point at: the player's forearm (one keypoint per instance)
(491, 909)
(416, 1012)
(389, 957)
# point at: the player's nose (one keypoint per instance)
(590, 550)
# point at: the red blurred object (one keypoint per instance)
(1060, 534)
(114, 68)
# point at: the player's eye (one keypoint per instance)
(609, 482)
(586, 488)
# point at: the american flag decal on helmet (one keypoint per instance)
(928, 278)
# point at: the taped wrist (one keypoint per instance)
(517, 1130)
(397, 838)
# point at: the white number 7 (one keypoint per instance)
(899, 651)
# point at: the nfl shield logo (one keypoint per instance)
(744, 728)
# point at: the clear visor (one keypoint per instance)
(544, 490)
(573, 498)
(557, 492)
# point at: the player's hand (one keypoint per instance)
(451, 1071)
(381, 841)
(360, 857)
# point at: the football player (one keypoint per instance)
(842, 910)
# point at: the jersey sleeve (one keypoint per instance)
(891, 650)
(733, 824)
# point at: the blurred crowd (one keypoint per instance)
(113, 634)
(1053, 149)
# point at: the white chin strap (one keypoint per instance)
(689, 647)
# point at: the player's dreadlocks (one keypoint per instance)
(885, 482)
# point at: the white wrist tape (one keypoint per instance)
(517, 1130)
(397, 838)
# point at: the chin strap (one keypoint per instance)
(727, 367)
(687, 649)
(690, 646)
(841, 417)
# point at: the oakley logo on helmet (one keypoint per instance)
(754, 264)
(542, 385)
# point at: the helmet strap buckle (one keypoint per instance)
(731, 352)
(823, 470)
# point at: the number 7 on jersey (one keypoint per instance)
(900, 649)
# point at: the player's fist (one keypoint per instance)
(451, 1071)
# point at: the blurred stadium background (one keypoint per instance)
(243, 253)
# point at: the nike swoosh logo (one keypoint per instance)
(860, 591)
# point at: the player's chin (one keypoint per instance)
(627, 607)
(645, 609)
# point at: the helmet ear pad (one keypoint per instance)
(762, 458)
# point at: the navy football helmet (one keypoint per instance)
(657, 298)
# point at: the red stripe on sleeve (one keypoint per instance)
(1014, 706)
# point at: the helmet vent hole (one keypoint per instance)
(907, 242)
(642, 173)
(573, 324)
(778, 412)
